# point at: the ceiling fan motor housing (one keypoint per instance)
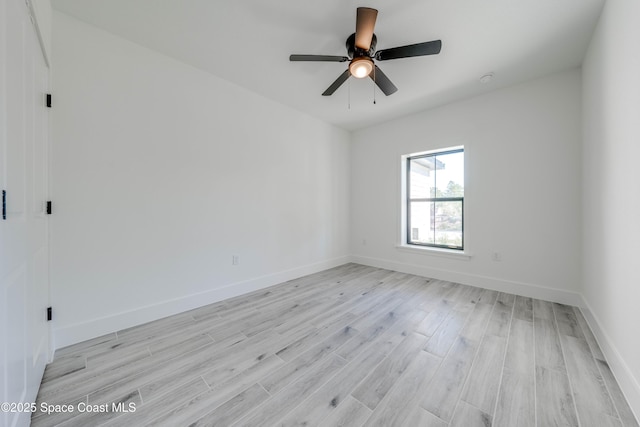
(354, 52)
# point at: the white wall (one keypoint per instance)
(162, 172)
(611, 201)
(522, 189)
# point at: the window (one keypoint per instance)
(435, 199)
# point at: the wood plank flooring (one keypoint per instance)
(349, 346)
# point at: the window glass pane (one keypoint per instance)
(421, 222)
(449, 178)
(422, 177)
(448, 223)
(438, 221)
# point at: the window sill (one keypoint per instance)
(447, 253)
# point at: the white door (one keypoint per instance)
(24, 253)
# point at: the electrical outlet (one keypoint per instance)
(496, 256)
(235, 260)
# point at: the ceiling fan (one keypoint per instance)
(361, 51)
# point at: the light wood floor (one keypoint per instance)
(349, 346)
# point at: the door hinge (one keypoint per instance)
(4, 204)
(49, 100)
(49, 314)
(49, 207)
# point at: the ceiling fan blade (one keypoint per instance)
(335, 85)
(365, 22)
(383, 81)
(321, 58)
(418, 49)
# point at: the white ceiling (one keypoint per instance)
(248, 42)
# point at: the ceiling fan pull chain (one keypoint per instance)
(349, 97)
(374, 85)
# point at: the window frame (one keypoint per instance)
(406, 241)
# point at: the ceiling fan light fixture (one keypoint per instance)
(361, 67)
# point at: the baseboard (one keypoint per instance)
(79, 332)
(496, 284)
(629, 385)
(72, 334)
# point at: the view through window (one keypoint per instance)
(435, 199)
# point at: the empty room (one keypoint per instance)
(285, 213)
